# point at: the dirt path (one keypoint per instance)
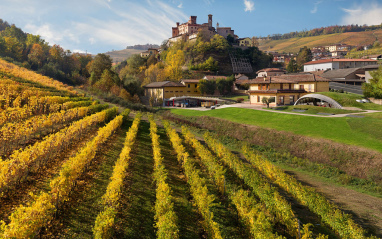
(366, 210)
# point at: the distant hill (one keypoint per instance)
(293, 45)
(143, 47)
(121, 55)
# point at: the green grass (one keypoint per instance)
(349, 100)
(235, 97)
(344, 129)
(310, 109)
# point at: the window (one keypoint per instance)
(188, 85)
(291, 99)
(188, 91)
(196, 85)
(281, 100)
(281, 86)
(301, 87)
(176, 91)
(258, 98)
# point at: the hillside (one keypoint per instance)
(121, 55)
(294, 44)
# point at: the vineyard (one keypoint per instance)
(294, 44)
(73, 168)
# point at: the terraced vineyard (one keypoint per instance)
(72, 168)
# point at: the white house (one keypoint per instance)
(334, 64)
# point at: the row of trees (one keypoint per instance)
(325, 31)
(224, 86)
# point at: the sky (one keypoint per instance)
(98, 26)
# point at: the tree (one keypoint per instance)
(207, 86)
(106, 81)
(268, 100)
(225, 85)
(175, 61)
(292, 66)
(36, 55)
(374, 88)
(100, 63)
(255, 42)
(304, 55)
(230, 39)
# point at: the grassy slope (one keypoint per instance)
(349, 100)
(294, 44)
(121, 55)
(310, 109)
(344, 130)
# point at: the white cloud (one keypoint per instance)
(249, 6)
(209, 2)
(314, 10)
(367, 13)
(104, 25)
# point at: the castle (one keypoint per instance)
(190, 29)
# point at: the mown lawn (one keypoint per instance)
(310, 109)
(355, 131)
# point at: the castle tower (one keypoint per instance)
(210, 21)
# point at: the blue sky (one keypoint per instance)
(98, 26)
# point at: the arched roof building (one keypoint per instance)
(314, 97)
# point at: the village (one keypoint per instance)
(327, 70)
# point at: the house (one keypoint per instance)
(333, 64)
(339, 47)
(191, 86)
(270, 72)
(165, 89)
(285, 89)
(375, 57)
(339, 53)
(145, 54)
(247, 42)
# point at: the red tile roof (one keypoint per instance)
(191, 80)
(270, 70)
(164, 84)
(338, 60)
(289, 78)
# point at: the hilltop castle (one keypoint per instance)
(190, 29)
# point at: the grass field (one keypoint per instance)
(355, 131)
(349, 100)
(310, 109)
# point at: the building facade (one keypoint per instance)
(285, 89)
(333, 64)
(190, 30)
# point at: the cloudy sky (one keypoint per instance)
(98, 26)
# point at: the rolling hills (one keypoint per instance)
(293, 45)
